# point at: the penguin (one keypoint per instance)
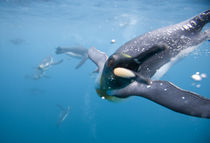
(135, 68)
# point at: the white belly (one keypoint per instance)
(162, 70)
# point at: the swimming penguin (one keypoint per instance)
(75, 52)
(131, 70)
(63, 114)
(44, 65)
(47, 62)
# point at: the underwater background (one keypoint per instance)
(31, 30)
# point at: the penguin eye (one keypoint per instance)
(113, 60)
(110, 62)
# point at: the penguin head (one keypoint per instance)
(118, 60)
(112, 61)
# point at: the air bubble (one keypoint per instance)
(148, 86)
(203, 75)
(196, 77)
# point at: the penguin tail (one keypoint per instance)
(59, 50)
(200, 20)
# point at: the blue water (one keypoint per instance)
(31, 30)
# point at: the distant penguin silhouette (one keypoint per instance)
(75, 52)
(64, 112)
(44, 65)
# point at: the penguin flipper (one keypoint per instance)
(169, 96)
(98, 57)
(60, 107)
(152, 51)
(81, 62)
(57, 62)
